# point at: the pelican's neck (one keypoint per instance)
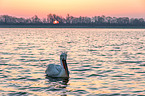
(64, 66)
(63, 63)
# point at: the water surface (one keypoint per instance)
(101, 61)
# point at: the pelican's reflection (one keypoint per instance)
(59, 84)
(62, 80)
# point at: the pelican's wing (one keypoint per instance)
(58, 67)
(53, 70)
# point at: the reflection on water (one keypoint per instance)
(100, 61)
(57, 84)
(63, 81)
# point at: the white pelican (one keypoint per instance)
(58, 70)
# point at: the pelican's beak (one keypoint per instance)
(65, 67)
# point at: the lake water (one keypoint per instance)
(100, 61)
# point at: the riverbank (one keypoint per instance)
(68, 26)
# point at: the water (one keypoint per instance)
(100, 61)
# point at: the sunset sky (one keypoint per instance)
(29, 8)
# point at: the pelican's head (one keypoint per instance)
(63, 56)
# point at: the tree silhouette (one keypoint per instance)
(75, 21)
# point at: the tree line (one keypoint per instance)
(71, 20)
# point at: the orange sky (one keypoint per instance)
(29, 8)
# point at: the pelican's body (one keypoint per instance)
(58, 70)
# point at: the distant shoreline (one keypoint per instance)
(69, 26)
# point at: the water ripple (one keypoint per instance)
(102, 62)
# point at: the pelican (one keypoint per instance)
(58, 70)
